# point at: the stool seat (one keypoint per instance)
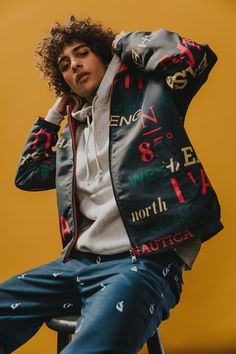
(65, 327)
(65, 324)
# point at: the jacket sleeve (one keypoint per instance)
(37, 165)
(183, 63)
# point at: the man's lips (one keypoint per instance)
(81, 77)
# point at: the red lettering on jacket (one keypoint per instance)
(140, 82)
(205, 184)
(145, 249)
(176, 239)
(185, 51)
(191, 177)
(65, 228)
(171, 241)
(36, 138)
(127, 81)
(187, 41)
(177, 190)
(156, 245)
(122, 68)
(205, 181)
(136, 250)
(153, 117)
(162, 242)
(187, 234)
(180, 58)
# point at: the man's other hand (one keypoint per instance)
(62, 101)
(117, 38)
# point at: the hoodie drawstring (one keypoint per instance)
(86, 149)
(99, 170)
(83, 116)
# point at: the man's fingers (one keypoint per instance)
(117, 38)
(60, 104)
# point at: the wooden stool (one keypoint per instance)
(65, 327)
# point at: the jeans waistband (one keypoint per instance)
(98, 258)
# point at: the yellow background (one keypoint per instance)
(204, 321)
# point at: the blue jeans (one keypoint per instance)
(119, 303)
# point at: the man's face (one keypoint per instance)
(82, 69)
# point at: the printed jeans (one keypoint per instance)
(120, 304)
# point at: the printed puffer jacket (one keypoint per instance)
(162, 191)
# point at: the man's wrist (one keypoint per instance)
(54, 117)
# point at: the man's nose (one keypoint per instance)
(75, 64)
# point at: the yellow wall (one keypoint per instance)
(205, 317)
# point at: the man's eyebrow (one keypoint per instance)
(79, 46)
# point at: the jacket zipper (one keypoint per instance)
(133, 256)
(66, 257)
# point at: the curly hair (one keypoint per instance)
(98, 39)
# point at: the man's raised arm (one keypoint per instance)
(183, 63)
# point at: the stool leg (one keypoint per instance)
(154, 344)
(62, 340)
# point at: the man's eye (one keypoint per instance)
(83, 54)
(64, 67)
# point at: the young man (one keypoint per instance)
(134, 201)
